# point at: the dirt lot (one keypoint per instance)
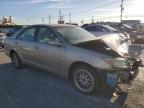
(31, 88)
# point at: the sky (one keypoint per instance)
(82, 11)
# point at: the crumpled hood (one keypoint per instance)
(115, 43)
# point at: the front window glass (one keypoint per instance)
(45, 35)
(27, 35)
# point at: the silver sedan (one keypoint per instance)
(69, 51)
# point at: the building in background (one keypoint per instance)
(7, 21)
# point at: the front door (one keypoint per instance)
(49, 55)
(25, 45)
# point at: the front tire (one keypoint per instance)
(16, 62)
(85, 79)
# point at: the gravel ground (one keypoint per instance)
(135, 93)
(31, 88)
(135, 96)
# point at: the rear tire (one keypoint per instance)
(16, 62)
(85, 79)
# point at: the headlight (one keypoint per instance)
(122, 36)
(117, 62)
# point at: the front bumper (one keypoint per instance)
(126, 75)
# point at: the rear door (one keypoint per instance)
(25, 44)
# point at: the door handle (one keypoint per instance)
(36, 47)
(18, 44)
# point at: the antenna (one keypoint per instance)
(70, 18)
(49, 19)
(122, 8)
(60, 16)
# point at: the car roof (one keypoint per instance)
(54, 25)
(95, 25)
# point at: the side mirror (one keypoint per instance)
(55, 43)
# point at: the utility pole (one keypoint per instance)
(33, 21)
(92, 20)
(60, 21)
(60, 16)
(82, 21)
(28, 20)
(70, 18)
(110, 16)
(42, 20)
(122, 8)
(49, 19)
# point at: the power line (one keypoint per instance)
(80, 12)
(84, 11)
(104, 5)
(104, 18)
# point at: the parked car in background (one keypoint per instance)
(125, 28)
(7, 31)
(2, 37)
(100, 30)
(12, 30)
(72, 52)
(139, 39)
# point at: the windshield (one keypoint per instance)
(74, 35)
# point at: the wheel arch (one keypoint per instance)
(12, 51)
(76, 64)
(101, 73)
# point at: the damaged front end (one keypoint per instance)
(130, 68)
(126, 73)
(132, 71)
(122, 65)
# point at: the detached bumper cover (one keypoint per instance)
(125, 74)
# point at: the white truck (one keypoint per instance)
(2, 37)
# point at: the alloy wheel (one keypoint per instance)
(84, 80)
